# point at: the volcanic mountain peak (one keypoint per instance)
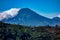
(25, 9)
(28, 17)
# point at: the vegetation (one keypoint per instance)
(18, 32)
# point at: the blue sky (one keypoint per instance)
(47, 8)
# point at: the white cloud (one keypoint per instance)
(9, 13)
(59, 15)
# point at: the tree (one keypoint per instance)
(25, 36)
(56, 26)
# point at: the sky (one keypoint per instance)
(47, 8)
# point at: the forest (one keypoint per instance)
(21, 32)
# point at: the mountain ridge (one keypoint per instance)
(28, 17)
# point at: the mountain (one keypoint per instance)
(56, 21)
(56, 18)
(28, 17)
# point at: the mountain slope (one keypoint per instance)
(28, 17)
(56, 21)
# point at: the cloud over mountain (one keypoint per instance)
(59, 15)
(9, 13)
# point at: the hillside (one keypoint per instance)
(19, 32)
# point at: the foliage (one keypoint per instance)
(18, 32)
